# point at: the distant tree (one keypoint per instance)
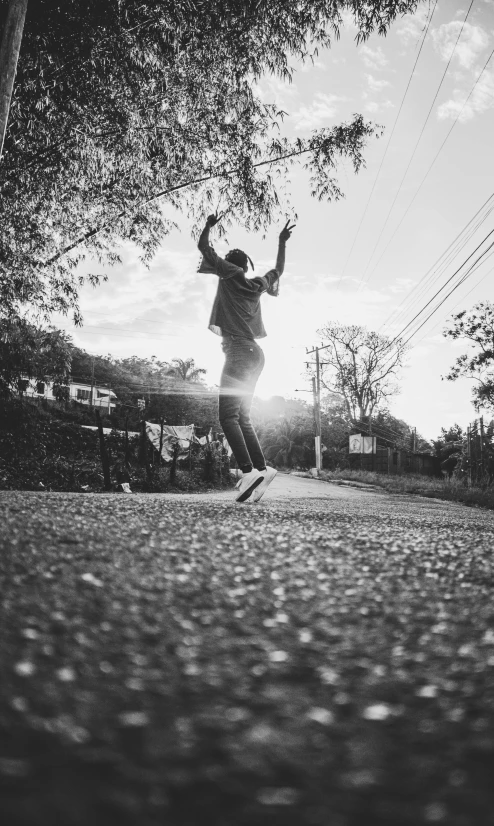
(121, 105)
(288, 442)
(186, 370)
(396, 431)
(477, 329)
(449, 442)
(362, 366)
(35, 353)
(265, 409)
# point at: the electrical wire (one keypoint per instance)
(442, 262)
(473, 268)
(363, 279)
(470, 271)
(386, 148)
(489, 272)
(445, 285)
(139, 333)
(431, 165)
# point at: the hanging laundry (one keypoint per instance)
(180, 435)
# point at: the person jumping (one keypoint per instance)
(236, 317)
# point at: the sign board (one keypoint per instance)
(369, 444)
(355, 443)
(362, 444)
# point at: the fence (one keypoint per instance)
(396, 461)
(476, 459)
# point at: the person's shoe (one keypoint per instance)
(248, 483)
(261, 489)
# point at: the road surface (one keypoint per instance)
(325, 656)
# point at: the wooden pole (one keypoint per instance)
(314, 401)
(469, 456)
(9, 55)
(482, 470)
(162, 424)
(318, 412)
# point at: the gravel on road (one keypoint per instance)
(323, 657)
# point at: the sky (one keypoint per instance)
(334, 270)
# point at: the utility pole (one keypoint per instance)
(317, 424)
(469, 456)
(318, 413)
(9, 55)
(481, 474)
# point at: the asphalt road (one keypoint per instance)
(325, 656)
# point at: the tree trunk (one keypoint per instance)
(173, 468)
(127, 452)
(143, 452)
(9, 55)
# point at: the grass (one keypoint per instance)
(454, 490)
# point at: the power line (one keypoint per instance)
(138, 332)
(387, 148)
(145, 320)
(489, 272)
(444, 260)
(431, 165)
(460, 282)
(445, 284)
(362, 280)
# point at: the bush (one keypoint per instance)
(46, 449)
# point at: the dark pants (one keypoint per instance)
(243, 366)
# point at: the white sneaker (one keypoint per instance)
(248, 483)
(261, 489)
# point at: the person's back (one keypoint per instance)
(236, 317)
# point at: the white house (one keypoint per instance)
(78, 391)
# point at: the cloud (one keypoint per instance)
(374, 87)
(401, 285)
(374, 106)
(274, 90)
(309, 65)
(481, 100)
(373, 58)
(323, 108)
(375, 84)
(472, 43)
(413, 26)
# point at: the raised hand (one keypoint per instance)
(212, 220)
(286, 231)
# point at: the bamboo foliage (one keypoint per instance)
(120, 108)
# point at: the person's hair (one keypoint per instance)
(239, 258)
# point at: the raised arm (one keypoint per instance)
(284, 236)
(203, 242)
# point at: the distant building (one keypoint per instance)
(78, 392)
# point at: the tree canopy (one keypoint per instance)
(476, 328)
(361, 365)
(30, 352)
(122, 106)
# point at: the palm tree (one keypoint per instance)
(186, 370)
(288, 442)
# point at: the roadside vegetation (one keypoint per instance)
(49, 448)
(455, 490)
